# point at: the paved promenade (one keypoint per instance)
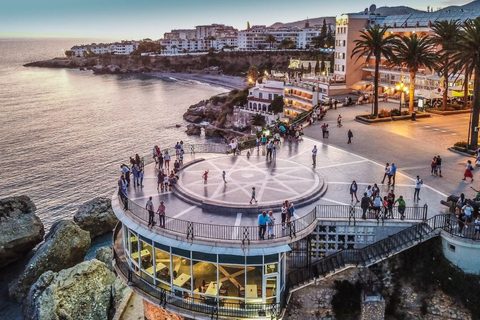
(289, 176)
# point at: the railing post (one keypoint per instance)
(425, 209)
(246, 236)
(292, 229)
(190, 230)
(351, 215)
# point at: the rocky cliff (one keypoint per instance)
(20, 229)
(231, 63)
(80, 292)
(96, 216)
(65, 246)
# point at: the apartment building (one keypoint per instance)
(121, 48)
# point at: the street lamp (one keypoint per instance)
(402, 88)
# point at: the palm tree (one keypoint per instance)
(413, 52)
(374, 42)
(271, 40)
(257, 119)
(468, 57)
(445, 34)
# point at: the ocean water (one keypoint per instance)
(64, 133)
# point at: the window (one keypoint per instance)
(260, 95)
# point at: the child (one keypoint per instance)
(253, 196)
(205, 177)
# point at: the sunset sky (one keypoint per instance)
(122, 19)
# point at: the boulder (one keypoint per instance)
(96, 216)
(65, 246)
(20, 229)
(105, 255)
(193, 130)
(211, 131)
(193, 118)
(80, 292)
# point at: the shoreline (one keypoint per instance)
(225, 81)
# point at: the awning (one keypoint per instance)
(361, 85)
(428, 94)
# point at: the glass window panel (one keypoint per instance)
(205, 278)
(254, 259)
(253, 288)
(181, 252)
(225, 258)
(271, 258)
(146, 257)
(133, 241)
(181, 274)
(232, 279)
(162, 266)
(271, 268)
(204, 256)
(271, 287)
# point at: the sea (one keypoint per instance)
(65, 132)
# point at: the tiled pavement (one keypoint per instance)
(288, 176)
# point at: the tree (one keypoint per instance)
(287, 44)
(257, 119)
(317, 66)
(271, 40)
(468, 58)
(252, 74)
(374, 42)
(277, 104)
(413, 52)
(445, 34)
(309, 69)
(69, 53)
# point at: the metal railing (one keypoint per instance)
(385, 248)
(245, 234)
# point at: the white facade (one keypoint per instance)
(120, 48)
(461, 252)
(261, 96)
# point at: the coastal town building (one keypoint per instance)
(120, 48)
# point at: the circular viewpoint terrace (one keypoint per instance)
(208, 260)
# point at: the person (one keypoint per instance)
(151, 215)
(223, 177)
(205, 177)
(122, 185)
(467, 210)
(386, 172)
(166, 182)
(369, 191)
(154, 153)
(161, 215)
(160, 161)
(335, 104)
(460, 204)
(401, 207)
(433, 165)
(126, 173)
(160, 180)
(166, 159)
(180, 156)
(291, 211)
(140, 177)
(418, 186)
(377, 206)
(177, 149)
(375, 190)
(314, 155)
(271, 223)
(176, 166)
(353, 190)
(253, 196)
(233, 146)
(339, 120)
(136, 176)
(284, 211)
(262, 225)
(324, 130)
(468, 171)
(477, 196)
(269, 149)
(393, 173)
(439, 166)
(365, 204)
(390, 202)
(477, 226)
(138, 161)
(350, 136)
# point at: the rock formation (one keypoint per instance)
(105, 255)
(96, 216)
(20, 229)
(193, 130)
(65, 246)
(80, 292)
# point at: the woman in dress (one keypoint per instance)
(353, 190)
(468, 171)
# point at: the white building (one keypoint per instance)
(120, 48)
(261, 96)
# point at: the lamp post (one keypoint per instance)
(402, 88)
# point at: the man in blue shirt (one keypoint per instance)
(262, 225)
(391, 175)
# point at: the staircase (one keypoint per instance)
(369, 255)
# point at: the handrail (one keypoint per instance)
(385, 248)
(242, 309)
(248, 233)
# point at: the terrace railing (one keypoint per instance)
(245, 234)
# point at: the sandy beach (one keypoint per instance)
(228, 82)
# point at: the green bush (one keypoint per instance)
(460, 144)
(395, 112)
